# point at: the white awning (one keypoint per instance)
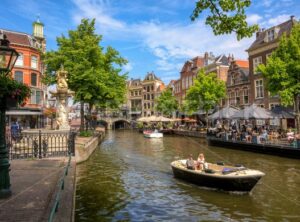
(23, 113)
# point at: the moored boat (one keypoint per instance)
(152, 134)
(228, 178)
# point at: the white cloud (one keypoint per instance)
(128, 67)
(279, 19)
(170, 43)
(253, 19)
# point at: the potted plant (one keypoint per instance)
(13, 91)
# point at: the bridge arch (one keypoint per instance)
(120, 124)
(103, 123)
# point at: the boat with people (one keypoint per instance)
(152, 134)
(223, 177)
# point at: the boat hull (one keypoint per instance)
(227, 183)
(153, 135)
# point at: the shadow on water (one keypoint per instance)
(129, 178)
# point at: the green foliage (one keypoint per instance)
(94, 75)
(10, 88)
(206, 92)
(226, 16)
(140, 125)
(282, 71)
(166, 103)
(86, 133)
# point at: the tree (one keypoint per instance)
(94, 75)
(282, 71)
(166, 103)
(206, 92)
(226, 16)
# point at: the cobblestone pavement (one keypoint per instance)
(34, 184)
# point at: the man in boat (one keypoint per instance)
(190, 163)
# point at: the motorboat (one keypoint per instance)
(223, 177)
(152, 134)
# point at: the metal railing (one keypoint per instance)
(61, 187)
(40, 144)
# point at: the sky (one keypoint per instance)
(153, 35)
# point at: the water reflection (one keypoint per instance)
(129, 178)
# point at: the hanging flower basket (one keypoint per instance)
(15, 93)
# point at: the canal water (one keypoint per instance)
(129, 178)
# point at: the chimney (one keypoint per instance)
(292, 17)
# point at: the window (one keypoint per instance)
(152, 96)
(144, 97)
(190, 80)
(232, 79)
(131, 93)
(256, 61)
(19, 76)
(33, 79)
(271, 35)
(231, 98)
(148, 97)
(20, 60)
(237, 98)
(35, 97)
(34, 61)
(152, 88)
(145, 106)
(273, 105)
(246, 96)
(187, 83)
(259, 88)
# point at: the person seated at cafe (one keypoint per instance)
(201, 164)
(264, 135)
(290, 136)
(190, 163)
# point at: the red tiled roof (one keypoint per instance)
(17, 38)
(242, 63)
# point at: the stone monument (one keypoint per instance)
(62, 93)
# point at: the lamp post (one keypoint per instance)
(52, 103)
(8, 57)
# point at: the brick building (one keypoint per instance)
(29, 70)
(141, 95)
(238, 84)
(190, 69)
(266, 42)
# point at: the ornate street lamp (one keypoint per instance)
(8, 57)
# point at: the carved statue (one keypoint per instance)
(61, 94)
(61, 78)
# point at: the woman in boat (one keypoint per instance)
(201, 162)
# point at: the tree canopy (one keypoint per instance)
(94, 74)
(226, 16)
(282, 71)
(166, 103)
(206, 92)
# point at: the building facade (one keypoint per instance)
(266, 42)
(141, 95)
(190, 69)
(238, 84)
(29, 70)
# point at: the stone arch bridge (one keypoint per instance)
(114, 122)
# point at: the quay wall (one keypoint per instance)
(84, 147)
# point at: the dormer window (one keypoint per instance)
(271, 35)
